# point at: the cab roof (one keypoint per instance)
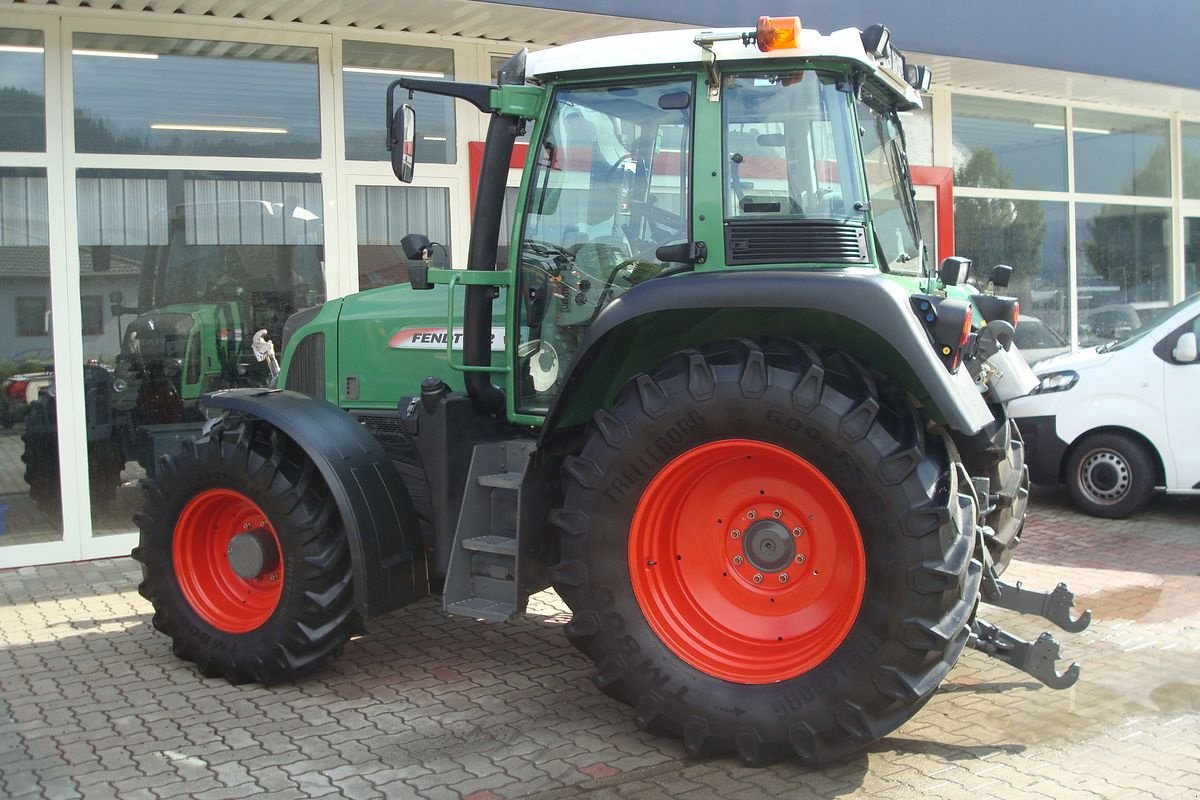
(679, 47)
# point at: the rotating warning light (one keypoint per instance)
(777, 33)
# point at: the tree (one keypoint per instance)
(993, 231)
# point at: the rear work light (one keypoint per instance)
(777, 33)
(949, 325)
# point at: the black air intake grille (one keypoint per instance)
(306, 373)
(795, 242)
(389, 431)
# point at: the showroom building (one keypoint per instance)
(158, 153)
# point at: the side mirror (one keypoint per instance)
(401, 140)
(954, 270)
(116, 297)
(1185, 349)
(1000, 275)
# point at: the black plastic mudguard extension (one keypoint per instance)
(871, 301)
(381, 524)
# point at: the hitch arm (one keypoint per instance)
(1036, 658)
(1054, 606)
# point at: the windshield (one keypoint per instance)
(1190, 304)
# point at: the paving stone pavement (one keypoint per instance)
(93, 704)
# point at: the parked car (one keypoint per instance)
(1114, 422)
(1038, 341)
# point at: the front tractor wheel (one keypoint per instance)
(766, 553)
(244, 558)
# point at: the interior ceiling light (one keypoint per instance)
(182, 126)
(116, 54)
(407, 73)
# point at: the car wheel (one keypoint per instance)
(1110, 475)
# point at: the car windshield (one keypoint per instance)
(1192, 303)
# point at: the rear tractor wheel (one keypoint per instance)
(244, 557)
(765, 553)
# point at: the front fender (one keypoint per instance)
(864, 314)
(376, 510)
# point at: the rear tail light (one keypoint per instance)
(964, 335)
(16, 391)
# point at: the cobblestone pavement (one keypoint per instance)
(92, 703)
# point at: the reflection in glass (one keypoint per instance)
(1191, 256)
(1124, 268)
(191, 268)
(1191, 159)
(918, 133)
(1121, 154)
(141, 94)
(1002, 144)
(1029, 236)
(29, 487)
(386, 214)
(367, 70)
(22, 91)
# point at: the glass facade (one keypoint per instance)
(367, 70)
(1121, 154)
(1002, 144)
(142, 94)
(22, 91)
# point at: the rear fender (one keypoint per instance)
(376, 510)
(865, 315)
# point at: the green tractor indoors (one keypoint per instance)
(714, 395)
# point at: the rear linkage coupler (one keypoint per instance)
(1039, 657)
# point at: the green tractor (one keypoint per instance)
(204, 320)
(715, 397)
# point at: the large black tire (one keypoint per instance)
(40, 455)
(41, 463)
(900, 482)
(1002, 462)
(1110, 475)
(313, 613)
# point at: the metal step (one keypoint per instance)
(501, 545)
(479, 608)
(502, 480)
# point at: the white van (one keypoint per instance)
(1116, 421)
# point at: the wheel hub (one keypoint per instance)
(1105, 476)
(769, 546)
(252, 553)
(227, 560)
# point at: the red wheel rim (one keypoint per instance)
(222, 597)
(717, 581)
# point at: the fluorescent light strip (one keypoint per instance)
(404, 73)
(433, 138)
(116, 54)
(177, 126)
(21, 48)
(1046, 126)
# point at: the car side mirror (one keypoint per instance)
(401, 140)
(1185, 349)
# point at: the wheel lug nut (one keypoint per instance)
(800, 558)
(751, 514)
(735, 533)
(246, 526)
(783, 577)
(758, 577)
(777, 513)
(797, 531)
(737, 561)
